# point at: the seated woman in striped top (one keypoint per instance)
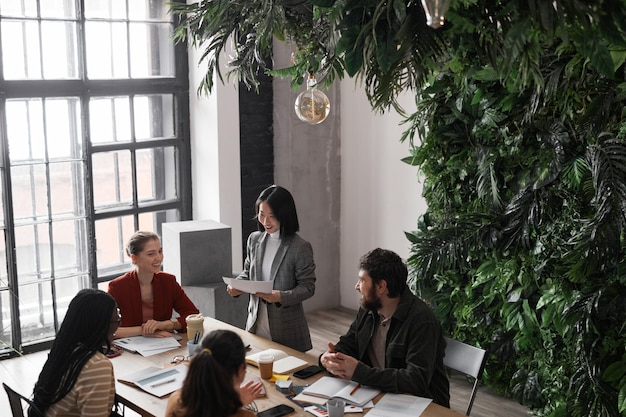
(77, 378)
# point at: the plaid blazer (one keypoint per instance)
(293, 273)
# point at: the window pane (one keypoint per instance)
(111, 237)
(106, 9)
(70, 247)
(58, 9)
(2, 200)
(154, 116)
(25, 130)
(4, 276)
(63, 132)
(153, 221)
(109, 120)
(107, 56)
(20, 50)
(112, 179)
(156, 174)
(152, 50)
(148, 10)
(36, 311)
(59, 50)
(67, 190)
(5, 332)
(32, 251)
(30, 193)
(19, 8)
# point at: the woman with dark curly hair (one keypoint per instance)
(77, 378)
(212, 387)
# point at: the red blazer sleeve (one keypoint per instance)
(168, 296)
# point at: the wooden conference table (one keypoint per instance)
(151, 406)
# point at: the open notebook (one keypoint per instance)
(330, 387)
(283, 363)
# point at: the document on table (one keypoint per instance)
(147, 346)
(157, 381)
(399, 405)
(248, 286)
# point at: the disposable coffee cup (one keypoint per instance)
(192, 348)
(266, 366)
(335, 407)
(195, 323)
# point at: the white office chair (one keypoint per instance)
(468, 360)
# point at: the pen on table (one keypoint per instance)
(355, 389)
(158, 384)
(196, 338)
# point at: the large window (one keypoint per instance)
(93, 146)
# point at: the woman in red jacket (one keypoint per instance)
(146, 296)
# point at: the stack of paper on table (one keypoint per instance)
(399, 405)
(147, 346)
(330, 387)
(283, 363)
(157, 381)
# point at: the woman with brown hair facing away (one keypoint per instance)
(212, 385)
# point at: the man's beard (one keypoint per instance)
(372, 301)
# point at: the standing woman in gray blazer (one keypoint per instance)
(277, 253)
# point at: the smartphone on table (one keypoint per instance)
(276, 411)
(307, 372)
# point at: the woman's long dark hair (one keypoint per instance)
(84, 331)
(208, 390)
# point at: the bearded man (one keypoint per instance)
(395, 343)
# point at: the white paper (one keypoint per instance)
(158, 381)
(399, 405)
(248, 286)
(147, 346)
(320, 411)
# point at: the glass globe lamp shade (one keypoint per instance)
(435, 12)
(312, 106)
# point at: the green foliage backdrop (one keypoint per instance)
(520, 138)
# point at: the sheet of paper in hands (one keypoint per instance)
(248, 286)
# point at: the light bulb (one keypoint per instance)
(435, 11)
(312, 106)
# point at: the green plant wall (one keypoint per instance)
(520, 139)
(523, 154)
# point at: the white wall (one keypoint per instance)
(215, 165)
(380, 194)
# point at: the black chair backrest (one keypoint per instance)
(17, 401)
